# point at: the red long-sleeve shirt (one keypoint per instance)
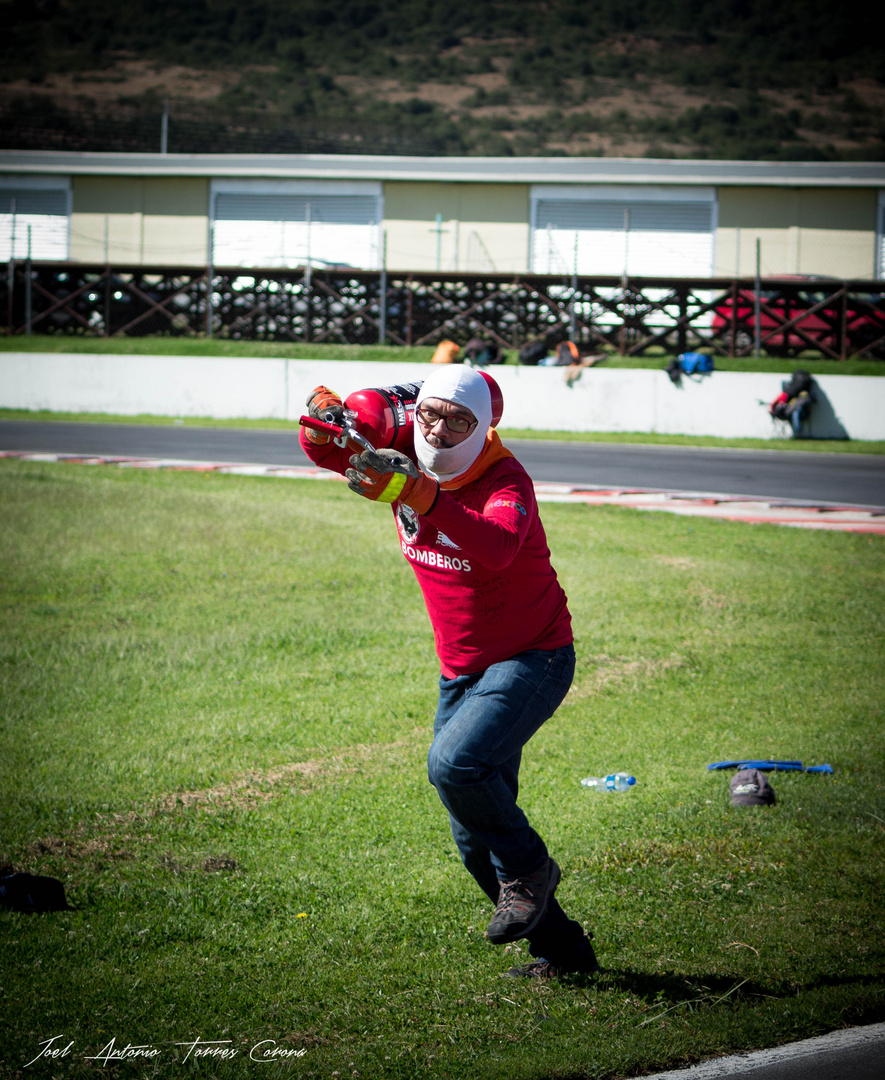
(483, 565)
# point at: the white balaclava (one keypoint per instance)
(463, 386)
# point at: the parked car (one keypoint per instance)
(815, 315)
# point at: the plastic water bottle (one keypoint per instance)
(619, 781)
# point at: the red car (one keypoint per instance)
(794, 318)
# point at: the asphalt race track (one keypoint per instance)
(838, 479)
(815, 477)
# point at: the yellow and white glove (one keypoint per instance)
(389, 476)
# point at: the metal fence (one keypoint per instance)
(38, 120)
(734, 317)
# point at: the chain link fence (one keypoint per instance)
(37, 122)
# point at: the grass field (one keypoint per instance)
(216, 697)
(202, 346)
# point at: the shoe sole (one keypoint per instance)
(553, 973)
(507, 939)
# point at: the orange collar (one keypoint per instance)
(492, 452)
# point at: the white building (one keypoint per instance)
(513, 215)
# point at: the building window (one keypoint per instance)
(652, 232)
(285, 224)
(34, 218)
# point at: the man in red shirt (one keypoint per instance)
(469, 526)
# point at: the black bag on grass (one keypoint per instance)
(533, 352)
(31, 892)
(480, 352)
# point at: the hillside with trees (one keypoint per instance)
(738, 79)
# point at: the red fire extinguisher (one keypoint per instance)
(384, 416)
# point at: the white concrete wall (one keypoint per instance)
(723, 403)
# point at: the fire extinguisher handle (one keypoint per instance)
(350, 434)
(342, 434)
(321, 425)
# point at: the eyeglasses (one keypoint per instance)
(458, 422)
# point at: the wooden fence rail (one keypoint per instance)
(785, 317)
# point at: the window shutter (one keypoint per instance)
(42, 212)
(329, 209)
(579, 214)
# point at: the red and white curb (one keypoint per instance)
(731, 507)
(691, 504)
(297, 472)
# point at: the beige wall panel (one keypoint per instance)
(826, 231)
(485, 227)
(410, 245)
(853, 210)
(140, 220)
(837, 253)
(758, 207)
(736, 252)
(173, 196)
(493, 247)
(175, 240)
(106, 195)
(476, 246)
(176, 197)
(834, 208)
(115, 238)
(837, 233)
(464, 202)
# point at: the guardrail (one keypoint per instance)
(735, 317)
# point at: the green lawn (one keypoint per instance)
(202, 346)
(216, 698)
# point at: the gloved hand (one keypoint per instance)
(323, 404)
(389, 476)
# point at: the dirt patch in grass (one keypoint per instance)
(728, 852)
(709, 599)
(80, 849)
(219, 864)
(102, 839)
(678, 562)
(599, 672)
(256, 787)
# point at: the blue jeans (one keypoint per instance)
(483, 721)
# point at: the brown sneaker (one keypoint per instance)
(521, 903)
